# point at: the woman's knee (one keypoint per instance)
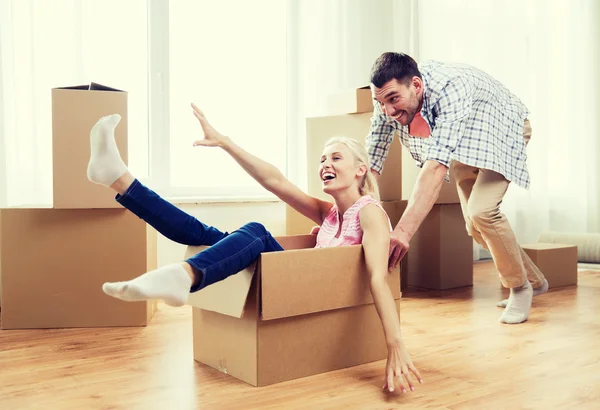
(255, 228)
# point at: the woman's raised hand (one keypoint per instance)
(212, 137)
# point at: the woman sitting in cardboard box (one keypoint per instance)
(355, 217)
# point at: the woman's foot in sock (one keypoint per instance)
(539, 291)
(170, 283)
(105, 165)
(519, 304)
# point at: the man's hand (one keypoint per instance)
(399, 244)
(400, 364)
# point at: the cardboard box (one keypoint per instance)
(352, 101)
(320, 129)
(558, 262)
(410, 172)
(75, 110)
(296, 223)
(395, 209)
(292, 314)
(441, 252)
(53, 263)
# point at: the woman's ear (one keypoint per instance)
(362, 170)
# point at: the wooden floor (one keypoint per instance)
(468, 359)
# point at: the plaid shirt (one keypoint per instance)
(473, 119)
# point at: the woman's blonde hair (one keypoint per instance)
(368, 185)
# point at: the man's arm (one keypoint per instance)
(426, 192)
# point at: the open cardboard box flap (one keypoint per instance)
(299, 281)
(228, 296)
(89, 87)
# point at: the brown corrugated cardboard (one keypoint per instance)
(306, 311)
(54, 262)
(441, 252)
(75, 110)
(558, 262)
(320, 129)
(391, 181)
(395, 209)
(296, 223)
(352, 101)
(410, 172)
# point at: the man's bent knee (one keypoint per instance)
(483, 217)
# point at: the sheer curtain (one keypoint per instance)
(545, 51)
(61, 43)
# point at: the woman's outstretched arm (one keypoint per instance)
(264, 173)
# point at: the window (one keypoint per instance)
(233, 67)
(165, 54)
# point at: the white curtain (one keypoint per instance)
(46, 44)
(545, 51)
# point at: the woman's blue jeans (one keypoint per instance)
(228, 254)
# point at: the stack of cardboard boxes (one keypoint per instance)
(54, 260)
(441, 253)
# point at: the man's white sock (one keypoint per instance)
(106, 165)
(541, 290)
(519, 304)
(170, 283)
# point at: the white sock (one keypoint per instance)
(519, 304)
(170, 283)
(106, 165)
(541, 290)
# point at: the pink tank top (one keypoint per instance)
(351, 232)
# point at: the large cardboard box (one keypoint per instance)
(292, 314)
(53, 263)
(441, 252)
(558, 262)
(75, 110)
(320, 129)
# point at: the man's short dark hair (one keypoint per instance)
(391, 65)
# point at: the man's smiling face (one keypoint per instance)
(399, 100)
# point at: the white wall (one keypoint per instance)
(226, 217)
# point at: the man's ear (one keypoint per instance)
(417, 83)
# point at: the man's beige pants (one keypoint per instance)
(481, 192)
